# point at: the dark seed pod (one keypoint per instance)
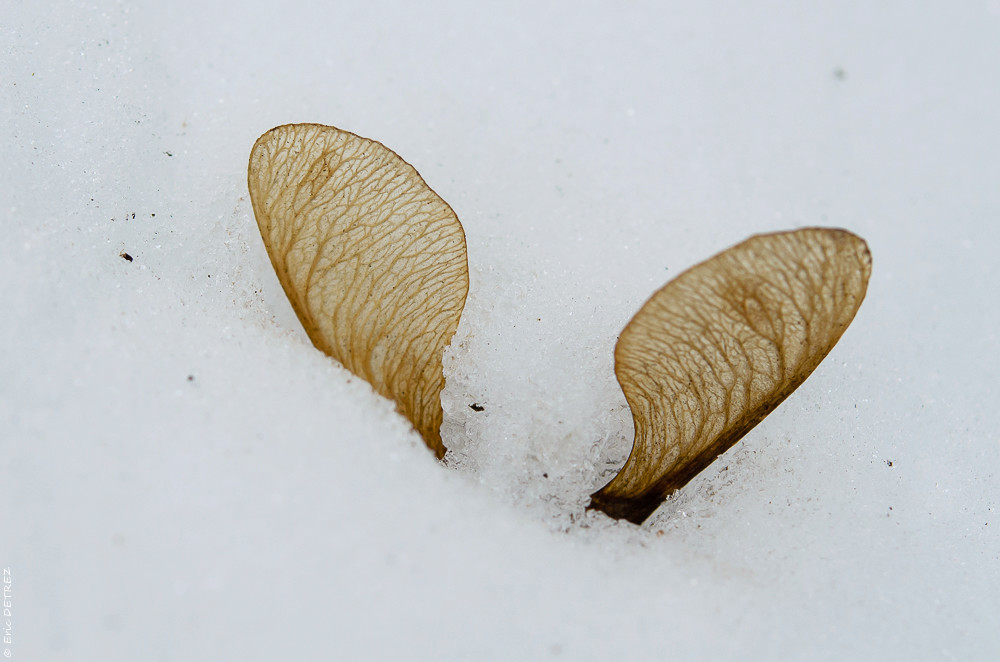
(719, 347)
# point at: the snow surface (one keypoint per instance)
(184, 477)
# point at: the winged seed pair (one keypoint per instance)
(375, 266)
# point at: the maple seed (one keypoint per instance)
(373, 261)
(719, 347)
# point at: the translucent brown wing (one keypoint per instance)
(373, 261)
(718, 348)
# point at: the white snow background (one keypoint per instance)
(184, 477)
